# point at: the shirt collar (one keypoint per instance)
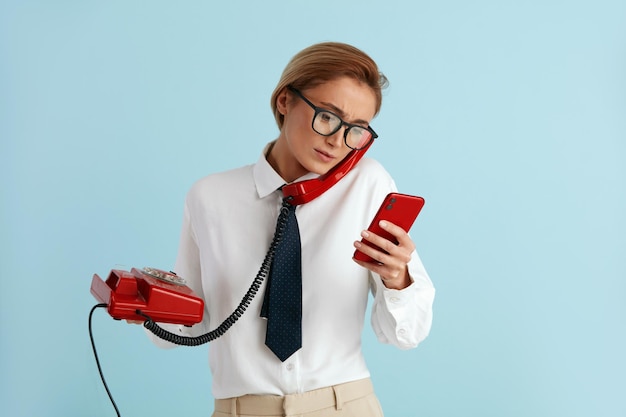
(267, 179)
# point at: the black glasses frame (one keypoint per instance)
(342, 124)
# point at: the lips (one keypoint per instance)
(325, 156)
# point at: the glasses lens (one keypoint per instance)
(358, 137)
(326, 123)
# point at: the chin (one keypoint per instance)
(321, 169)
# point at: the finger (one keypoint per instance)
(404, 241)
(390, 261)
(368, 250)
(396, 231)
(383, 244)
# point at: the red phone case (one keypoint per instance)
(399, 209)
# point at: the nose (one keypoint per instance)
(336, 139)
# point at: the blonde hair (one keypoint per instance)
(325, 62)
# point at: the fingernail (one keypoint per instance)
(383, 224)
(365, 233)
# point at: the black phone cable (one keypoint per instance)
(95, 354)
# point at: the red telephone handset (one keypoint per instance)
(302, 192)
(163, 296)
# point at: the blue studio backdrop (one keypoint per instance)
(509, 117)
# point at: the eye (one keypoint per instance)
(327, 117)
(326, 123)
(358, 137)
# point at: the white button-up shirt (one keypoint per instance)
(228, 223)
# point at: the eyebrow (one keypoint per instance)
(342, 114)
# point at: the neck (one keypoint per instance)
(283, 162)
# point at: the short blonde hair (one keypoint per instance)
(325, 62)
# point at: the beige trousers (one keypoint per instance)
(352, 399)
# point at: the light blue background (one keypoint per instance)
(509, 117)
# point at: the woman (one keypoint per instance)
(324, 103)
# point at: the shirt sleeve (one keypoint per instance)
(188, 267)
(403, 318)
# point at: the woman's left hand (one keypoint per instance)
(391, 266)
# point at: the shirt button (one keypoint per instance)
(394, 299)
(290, 367)
(401, 331)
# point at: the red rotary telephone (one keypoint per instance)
(161, 295)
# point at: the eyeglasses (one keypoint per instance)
(327, 123)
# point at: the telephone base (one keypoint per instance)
(126, 292)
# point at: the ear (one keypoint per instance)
(281, 101)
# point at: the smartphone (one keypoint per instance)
(399, 209)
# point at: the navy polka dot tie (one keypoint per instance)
(282, 305)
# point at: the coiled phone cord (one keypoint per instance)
(245, 301)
